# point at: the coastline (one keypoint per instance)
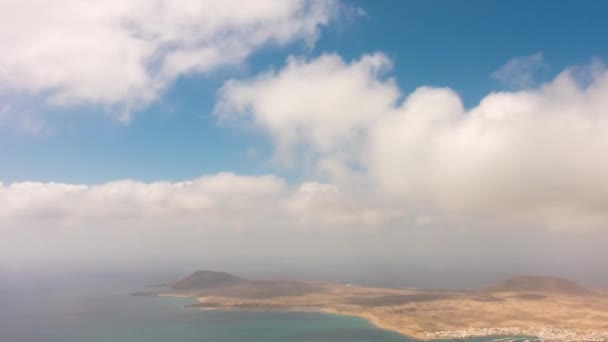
(550, 309)
(534, 334)
(368, 318)
(375, 321)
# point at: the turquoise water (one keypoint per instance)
(124, 318)
(108, 314)
(189, 325)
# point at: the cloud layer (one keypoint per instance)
(393, 177)
(536, 155)
(249, 223)
(221, 200)
(124, 53)
(387, 175)
(223, 217)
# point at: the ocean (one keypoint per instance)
(99, 310)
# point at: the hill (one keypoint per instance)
(542, 284)
(201, 280)
(210, 283)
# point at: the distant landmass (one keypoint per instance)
(549, 308)
(203, 280)
(543, 285)
(210, 283)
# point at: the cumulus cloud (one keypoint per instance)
(535, 155)
(330, 204)
(394, 175)
(122, 54)
(308, 106)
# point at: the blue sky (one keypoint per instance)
(436, 43)
(434, 134)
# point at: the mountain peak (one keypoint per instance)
(529, 283)
(204, 279)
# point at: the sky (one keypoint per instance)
(422, 136)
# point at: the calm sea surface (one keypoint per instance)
(41, 311)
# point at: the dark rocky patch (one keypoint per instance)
(389, 300)
(531, 296)
(539, 284)
(263, 289)
(484, 297)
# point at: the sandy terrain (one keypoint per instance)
(426, 315)
(535, 309)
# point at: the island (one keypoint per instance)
(547, 308)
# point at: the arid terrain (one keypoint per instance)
(544, 307)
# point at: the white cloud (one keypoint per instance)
(329, 204)
(536, 155)
(220, 216)
(321, 106)
(520, 72)
(127, 199)
(411, 166)
(225, 220)
(223, 199)
(124, 53)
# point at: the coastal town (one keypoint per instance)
(547, 334)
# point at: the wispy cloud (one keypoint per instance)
(521, 72)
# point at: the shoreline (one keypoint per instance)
(539, 312)
(534, 334)
(370, 319)
(375, 321)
